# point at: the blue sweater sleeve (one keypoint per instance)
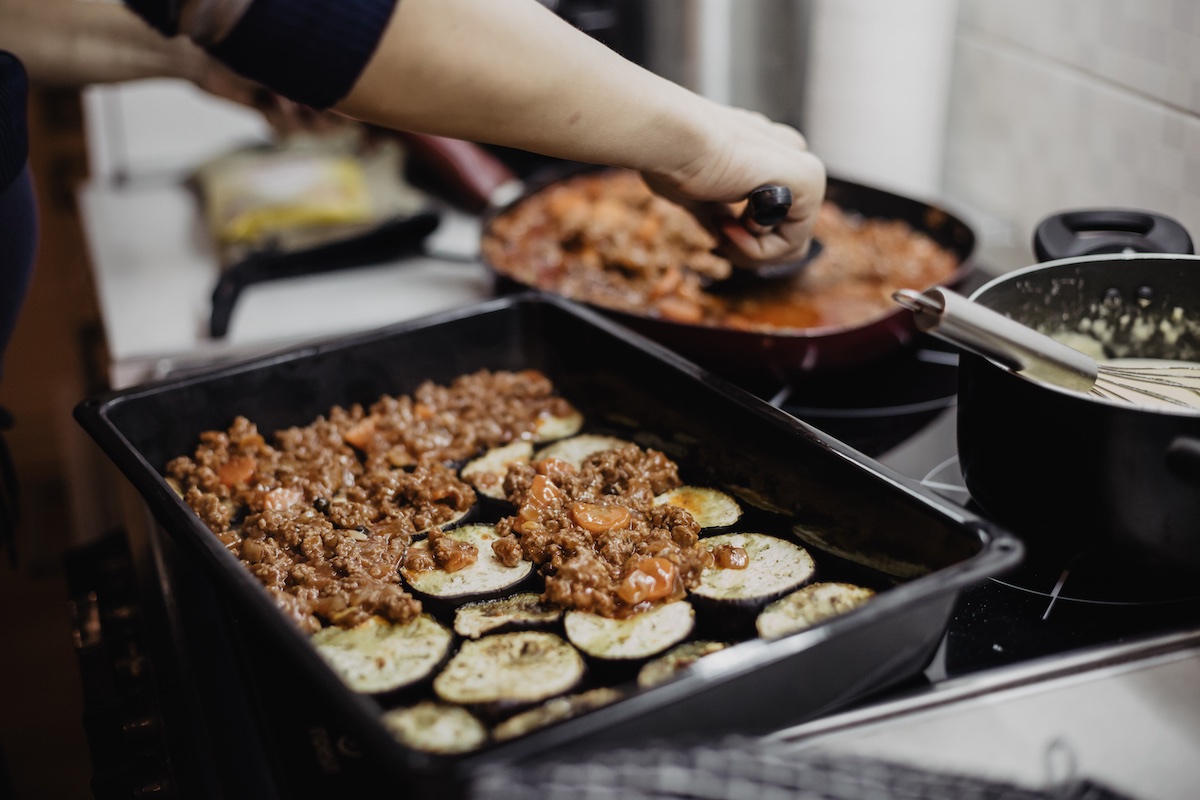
(18, 212)
(14, 137)
(310, 51)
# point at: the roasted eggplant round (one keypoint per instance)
(711, 508)
(636, 637)
(808, 606)
(508, 671)
(555, 710)
(675, 661)
(749, 571)
(471, 571)
(378, 656)
(521, 611)
(436, 728)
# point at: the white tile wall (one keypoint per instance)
(1063, 104)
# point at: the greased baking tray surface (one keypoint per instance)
(860, 521)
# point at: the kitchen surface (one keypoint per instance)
(1074, 667)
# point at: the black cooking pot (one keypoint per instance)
(788, 354)
(1072, 471)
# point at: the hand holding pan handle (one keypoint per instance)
(766, 207)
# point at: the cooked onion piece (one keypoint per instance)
(510, 669)
(711, 508)
(637, 636)
(575, 449)
(556, 710)
(518, 611)
(377, 656)
(675, 661)
(436, 728)
(774, 567)
(463, 575)
(486, 473)
(806, 607)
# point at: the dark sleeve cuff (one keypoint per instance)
(310, 51)
(162, 14)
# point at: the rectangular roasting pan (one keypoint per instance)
(857, 513)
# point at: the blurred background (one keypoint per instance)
(1003, 112)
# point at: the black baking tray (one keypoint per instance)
(856, 512)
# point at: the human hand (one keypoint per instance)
(741, 151)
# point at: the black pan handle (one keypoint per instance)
(1183, 459)
(766, 207)
(1108, 230)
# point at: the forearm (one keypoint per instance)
(73, 43)
(510, 72)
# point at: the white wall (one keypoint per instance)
(1062, 104)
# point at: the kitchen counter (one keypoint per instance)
(1123, 716)
(155, 266)
(155, 272)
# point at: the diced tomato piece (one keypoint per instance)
(596, 519)
(282, 498)
(543, 492)
(237, 469)
(652, 579)
(360, 434)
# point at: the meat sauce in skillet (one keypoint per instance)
(604, 238)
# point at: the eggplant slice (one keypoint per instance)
(711, 508)
(575, 449)
(639, 636)
(486, 473)
(550, 428)
(377, 656)
(487, 576)
(675, 661)
(555, 710)
(435, 727)
(806, 607)
(775, 567)
(514, 612)
(510, 670)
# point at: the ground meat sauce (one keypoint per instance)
(586, 564)
(605, 238)
(323, 515)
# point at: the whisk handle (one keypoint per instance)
(1016, 347)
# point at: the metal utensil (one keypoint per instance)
(1023, 350)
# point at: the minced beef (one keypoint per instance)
(322, 514)
(585, 568)
(605, 238)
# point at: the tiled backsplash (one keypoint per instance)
(1066, 104)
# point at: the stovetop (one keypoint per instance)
(902, 413)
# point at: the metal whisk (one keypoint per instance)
(1019, 348)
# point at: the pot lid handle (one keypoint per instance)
(1108, 230)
